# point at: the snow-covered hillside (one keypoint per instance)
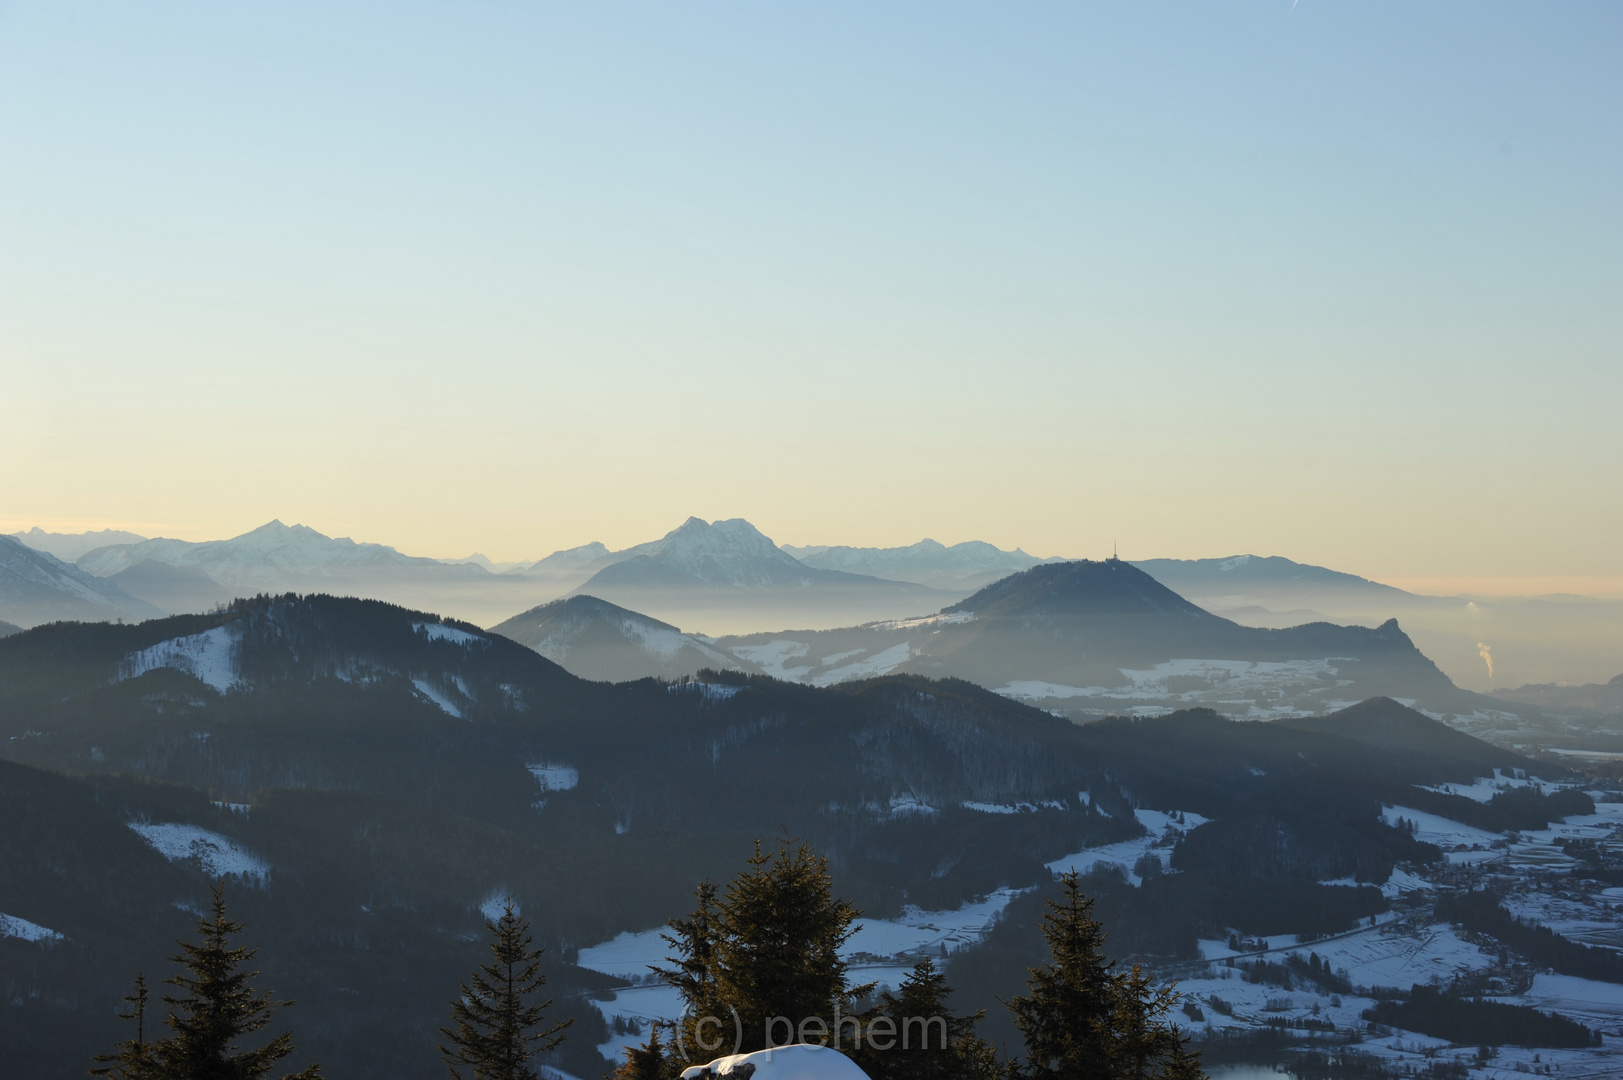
(37, 587)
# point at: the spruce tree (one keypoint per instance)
(694, 939)
(768, 948)
(926, 1042)
(217, 1007)
(133, 1059)
(494, 1029)
(646, 1062)
(1084, 1021)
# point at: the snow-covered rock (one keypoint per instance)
(795, 1062)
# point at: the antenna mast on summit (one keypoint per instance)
(1114, 557)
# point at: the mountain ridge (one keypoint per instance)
(37, 587)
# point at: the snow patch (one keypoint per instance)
(880, 663)
(12, 926)
(554, 777)
(219, 856)
(1013, 808)
(494, 906)
(1161, 827)
(709, 691)
(441, 632)
(1484, 788)
(908, 803)
(446, 705)
(953, 619)
(209, 657)
(1435, 829)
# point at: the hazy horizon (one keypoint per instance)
(1331, 282)
(1606, 587)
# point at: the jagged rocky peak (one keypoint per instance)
(696, 538)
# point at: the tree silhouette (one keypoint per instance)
(217, 1006)
(1084, 1021)
(494, 1029)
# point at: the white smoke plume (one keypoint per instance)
(1487, 656)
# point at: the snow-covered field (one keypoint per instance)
(880, 663)
(210, 657)
(1165, 829)
(1236, 687)
(219, 856)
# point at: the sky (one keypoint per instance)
(1341, 282)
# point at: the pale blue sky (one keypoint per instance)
(1339, 282)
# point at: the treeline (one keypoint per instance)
(1482, 912)
(1301, 844)
(758, 965)
(1296, 969)
(1486, 1023)
(1517, 809)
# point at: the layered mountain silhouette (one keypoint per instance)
(1089, 638)
(597, 640)
(969, 565)
(367, 778)
(273, 557)
(70, 546)
(728, 571)
(37, 587)
(176, 590)
(180, 576)
(1270, 581)
(1588, 700)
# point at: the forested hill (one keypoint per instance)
(373, 775)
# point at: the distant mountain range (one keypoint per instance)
(273, 557)
(1591, 699)
(37, 587)
(181, 576)
(729, 571)
(70, 546)
(966, 566)
(1268, 581)
(726, 578)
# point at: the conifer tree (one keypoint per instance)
(694, 940)
(925, 1041)
(1084, 1021)
(646, 1062)
(133, 1059)
(768, 948)
(217, 1007)
(494, 1029)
